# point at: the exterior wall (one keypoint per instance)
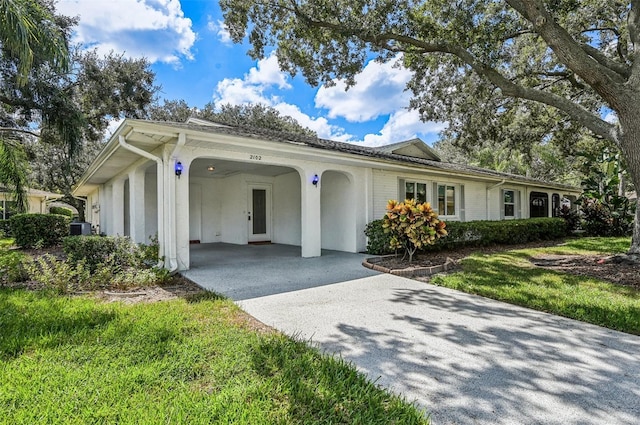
(385, 187)
(287, 209)
(150, 205)
(337, 215)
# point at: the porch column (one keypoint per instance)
(104, 195)
(117, 208)
(136, 206)
(182, 218)
(311, 214)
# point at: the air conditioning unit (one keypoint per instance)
(77, 229)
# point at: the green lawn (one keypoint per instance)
(77, 360)
(510, 277)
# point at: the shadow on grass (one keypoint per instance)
(327, 389)
(40, 319)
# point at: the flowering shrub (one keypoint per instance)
(412, 226)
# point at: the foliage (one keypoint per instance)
(606, 211)
(80, 360)
(571, 218)
(509, 277)
(62, 276)
(61, 211)
(11, 263)
(378, 241)
(252, 115)
(39, 230)
(13, 170)
(526, 71)
(5, 228)
(412, 226)
(114, 261)
(504, 232)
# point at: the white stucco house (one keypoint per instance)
(38, 202)
(203, 182)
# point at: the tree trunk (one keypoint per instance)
(630, 146)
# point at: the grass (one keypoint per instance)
(77, 360)
(510, 277)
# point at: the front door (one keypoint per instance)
(259, 214)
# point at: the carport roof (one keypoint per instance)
(414, 151)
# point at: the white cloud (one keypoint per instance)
(260, 79)
(220, 29)
(379, 90)
(155, 29)
(403, 124)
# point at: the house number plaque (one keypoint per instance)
(256, 157)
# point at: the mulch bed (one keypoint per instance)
(614, 269)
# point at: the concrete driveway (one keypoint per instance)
(466, 359)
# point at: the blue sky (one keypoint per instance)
(194, 60)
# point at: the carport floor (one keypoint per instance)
(248, 271)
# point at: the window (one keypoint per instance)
(509, 203)
(7, 209)
(415, 190)
(555, 205)
(538, 202)
(446, 199)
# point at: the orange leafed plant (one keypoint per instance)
(412, 226)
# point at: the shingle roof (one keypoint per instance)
(354, 149)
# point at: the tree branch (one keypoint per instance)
(18, 130)
(623, 69)
(605, 81)
(633, 23)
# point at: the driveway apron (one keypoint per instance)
(464, 358)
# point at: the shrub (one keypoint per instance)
(612, 217)
(412, 226)
(119, 251)
(11, 267)
(60, 275)
(378, 242)
(61, 211)
(42, 230)
(5, 228)
(505, 232)
(571, 218)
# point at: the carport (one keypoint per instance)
(242, 272)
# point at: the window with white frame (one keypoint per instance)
(509, 203)
(415, 190)
(446, 199)
(7, 209)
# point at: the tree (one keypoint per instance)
(567, 60)
(100, 89)
(29, 36)
(253, 115)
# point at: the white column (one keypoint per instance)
(182, 217)
(117, 208)
(311, 214)
(136, 206)
(104, 197)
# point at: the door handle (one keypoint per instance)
(249, 216)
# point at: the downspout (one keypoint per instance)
(487, 196)
(160, 189)
(170, 204)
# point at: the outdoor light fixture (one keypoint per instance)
(315, 180)
(210, 168)
(178, 168)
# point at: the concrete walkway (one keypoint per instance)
(467, 359)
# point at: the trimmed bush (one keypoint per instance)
(61, 211)
(378, 242)
(39, 230)
(478, 233)
(5, 228)
(505, 232)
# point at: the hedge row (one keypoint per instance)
(61, 211)
(39, 230)
(478, 233)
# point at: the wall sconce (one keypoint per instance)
(315, 180)
(178, 168)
